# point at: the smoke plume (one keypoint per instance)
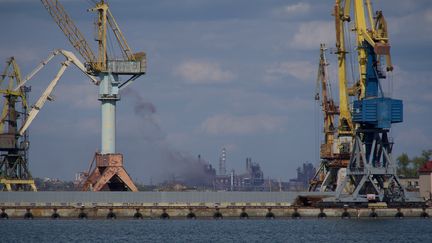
(171, 163)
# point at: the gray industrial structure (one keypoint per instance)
(305, 173)
(251, 180)
(222, 162)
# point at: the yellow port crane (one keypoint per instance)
(14, 142)
(109, 173)
(330, 111)
(14, 172)
(372, 29)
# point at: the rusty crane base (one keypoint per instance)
(108, 174)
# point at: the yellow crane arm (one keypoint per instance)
(373, 30)
(73, 34)
(341, 14)
(15, 75)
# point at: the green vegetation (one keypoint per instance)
(408, 167)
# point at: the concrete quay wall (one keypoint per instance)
(182, 211)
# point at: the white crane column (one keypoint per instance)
(108, 95)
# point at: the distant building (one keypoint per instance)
(425, 180)
(305, 173)
(411, 184)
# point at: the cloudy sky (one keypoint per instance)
(236, 74)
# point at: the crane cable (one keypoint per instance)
(350, 48)
(111, 46)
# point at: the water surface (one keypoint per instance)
(226, 230)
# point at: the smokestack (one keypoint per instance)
(232, 180)
(222, 162)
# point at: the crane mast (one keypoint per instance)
(325, 177)
(345, 123)
(328, 106)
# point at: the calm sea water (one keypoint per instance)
(289, 230)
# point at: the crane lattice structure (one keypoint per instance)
(14, 171)
(326, 176)
(108, 172)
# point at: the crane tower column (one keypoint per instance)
(108, 95)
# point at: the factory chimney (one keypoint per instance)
(222, 162)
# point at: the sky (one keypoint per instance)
(236, 74)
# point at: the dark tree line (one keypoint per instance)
(408, 167)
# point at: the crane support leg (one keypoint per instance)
(109, 174)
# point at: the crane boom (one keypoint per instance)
(75, 37)
(70, 59)
(41, 101)
(69, 55)
(345, 122)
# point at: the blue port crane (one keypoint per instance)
(371, 171)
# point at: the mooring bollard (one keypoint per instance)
(28, 214)
(399, 214)
(55, 215)
(111, 214)
(270, 214)
(137, 214)
(322, 215)
(3, 214)
(345, 214)
(424, 214)
(191, 214)
(373, 214)
(296, 214)
(217, 214)
(82, 214)
(243, 214)
(164, 214)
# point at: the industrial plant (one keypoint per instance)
(356, 174)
